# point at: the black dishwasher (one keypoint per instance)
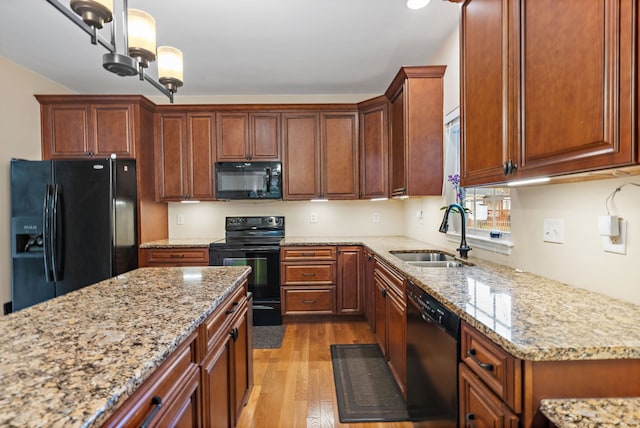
(433, 347)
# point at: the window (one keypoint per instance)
(490, 208)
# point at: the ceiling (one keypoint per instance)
(241, 47)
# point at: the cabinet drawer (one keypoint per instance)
(176, 257)
(390, 278)
(161, 389)
(307, 253)
(303, 300)
(312, 274)
(499, 370)
(215, 324)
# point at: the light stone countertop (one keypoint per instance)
(531, 317)
(592, 413)
(180, 243)
(73, 360)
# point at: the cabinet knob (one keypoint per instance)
(470, 418)
(508, 167)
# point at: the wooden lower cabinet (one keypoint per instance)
(169, 257)
(368, 289)
(350, 280)
(206, 381)
(479, 407)
(391, 321)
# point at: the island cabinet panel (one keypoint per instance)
(167, 257)
(170, 396)
(308, 278)
(184, 156)
(391, 321)
(350, 280)
(537, 99)
(226, 365)
(374, 148)
(416, 99)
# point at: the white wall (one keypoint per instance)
(20, 138)
(335, 218)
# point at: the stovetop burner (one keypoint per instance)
(249, 231)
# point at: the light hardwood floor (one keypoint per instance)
(293, 385)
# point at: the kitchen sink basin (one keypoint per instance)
(429, 259)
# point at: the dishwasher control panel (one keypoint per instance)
(433, 310)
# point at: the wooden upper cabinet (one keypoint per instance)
(539, 98)
(184, 165)
(301, 150)
(339, 137)
(85, 126)
(248, 136)
(374, 148)
(416, 98)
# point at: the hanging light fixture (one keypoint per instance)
(170, 67)
(138, 32)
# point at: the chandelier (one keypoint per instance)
(138, 33)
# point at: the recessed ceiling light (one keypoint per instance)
(417, 4)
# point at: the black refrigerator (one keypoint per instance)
(73, 223)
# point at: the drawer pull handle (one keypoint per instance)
(470, 418)
(232, 310)
(308, 254)
(309, 301)
(177, 256)
(157, 403)
(471, 353)
(309, 274)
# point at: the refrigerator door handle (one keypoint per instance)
(47, 238)
(57, 236)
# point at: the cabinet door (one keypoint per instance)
(374, 152)
(339, 155)
(577, 95)
(349, 285)
(478, 406)
(301, 147)
(232, 137)
(396, 337)
(380, 304)
(485, 76)
(171, 157)
(66, 131)
(240, 366)
(369, 264)
(216, 386)
(397, 147)
(264, 136)
(185, 411)
(113, 130)
(200, 155)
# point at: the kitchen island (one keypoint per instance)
(74, 360)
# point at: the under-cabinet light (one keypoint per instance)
(529, 181)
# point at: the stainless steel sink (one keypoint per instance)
(429, 259)
(423, 256)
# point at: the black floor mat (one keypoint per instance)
(365, 387)
(268, 336)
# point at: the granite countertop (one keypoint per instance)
(180, 243)
(73, 360)
(592, 413)
(531, 317)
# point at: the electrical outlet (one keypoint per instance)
(8, 308)
(180, 219)
(313, 218)
(376, 217)
(616, 244)
(553, 230)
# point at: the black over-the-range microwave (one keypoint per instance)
(248, 180)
